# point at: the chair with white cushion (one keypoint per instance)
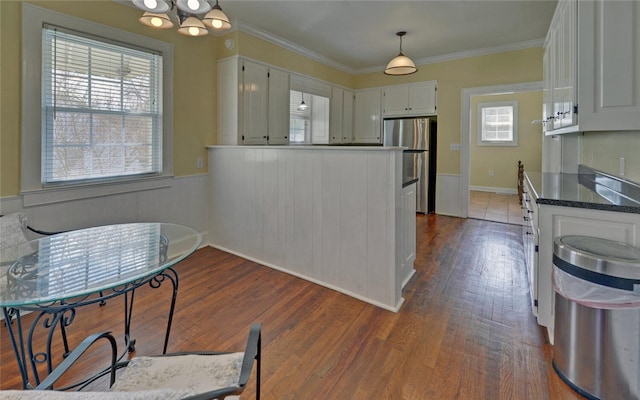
(185, 376)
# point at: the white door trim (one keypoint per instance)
(466, 128)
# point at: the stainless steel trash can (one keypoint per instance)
(597, 316)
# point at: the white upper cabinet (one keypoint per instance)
(254, 124)
(278, 133)
(253, 103)
(341, 116)
(592, 67)
(348, 98)
(609, 65)
(368, 116)
(413, 99)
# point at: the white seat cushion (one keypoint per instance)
(13, 230)
(198, 373)
(163, 394)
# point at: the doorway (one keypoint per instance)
(493, 169)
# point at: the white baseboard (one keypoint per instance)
(494, 189)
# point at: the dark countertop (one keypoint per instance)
(589, 189)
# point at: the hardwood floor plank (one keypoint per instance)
(465, 331)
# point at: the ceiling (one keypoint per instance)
(360, 36)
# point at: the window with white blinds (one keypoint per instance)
(498, 123)
(101, 108)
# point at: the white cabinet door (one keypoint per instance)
(341, 116)
(367, 116)
(414, 99)
(568, 71)
(278, 107)
(396, 100)
(609, 65)
(255, 103)
(559, 221)
(336, 115)
(347, 116)
(228, 102)
(422, 98)
(593, 56)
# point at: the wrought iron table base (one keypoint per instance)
(62, 314)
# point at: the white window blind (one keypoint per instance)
(101, 108)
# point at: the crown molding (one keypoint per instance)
(466, 54)
(274, 39)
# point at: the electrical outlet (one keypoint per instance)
(622, 166)
(591, 158)
(490, 172)
(455, 147)
(199, 163)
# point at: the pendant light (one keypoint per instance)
(193, 6)
(401, 64)
(191, 26)
(216, 19)
(303, 106)
(160, 21)
(193, 16)
(154, 6)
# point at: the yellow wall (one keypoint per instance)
(608, 147)
(194, 85)
(258, 49)
(503, 160)
(195, 82)
(453, 76)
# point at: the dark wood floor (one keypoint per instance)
(465, 331)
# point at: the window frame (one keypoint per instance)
(31, 188)
(508, 143)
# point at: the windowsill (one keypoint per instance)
(67, 193)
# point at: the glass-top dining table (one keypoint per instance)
(53, 275)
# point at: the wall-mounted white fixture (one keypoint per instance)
(400, 64)
(193, 16)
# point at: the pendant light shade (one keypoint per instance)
(192, 26)
(160, 21)
(192, 17)
(154, 6)
(303, 106)
(217, 19)
(193, 6)
(401, 64)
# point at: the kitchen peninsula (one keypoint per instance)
(337, 216)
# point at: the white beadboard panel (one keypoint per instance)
(378, 202)
(317, 214)
(327, 215)
(353, 223)
(448, 195)
(185, 202)
(272, 232)
(302, 245)
(332, 235)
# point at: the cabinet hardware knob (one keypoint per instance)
(528, 233)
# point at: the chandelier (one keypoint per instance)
(193, 16)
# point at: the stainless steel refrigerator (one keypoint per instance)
(419, 136)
